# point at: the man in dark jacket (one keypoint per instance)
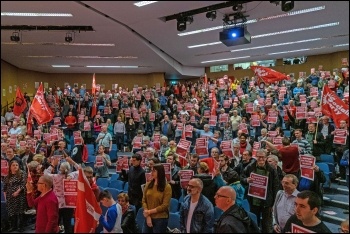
(316, 142)
(259, 206)
(326, 129)
(135, 177)
(231, 220)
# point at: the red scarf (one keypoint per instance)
(242, 147)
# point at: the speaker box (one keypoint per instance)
(242, 36)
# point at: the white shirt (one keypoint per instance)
(189, 217)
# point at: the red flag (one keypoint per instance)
(87, 211)
(29, 124)
(93, 91)
(205, 79)
(333, 106)
(39, 108)
(93, 108)
(213, 105)
(20, 103)
(268, 75)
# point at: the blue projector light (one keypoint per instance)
(235, 36)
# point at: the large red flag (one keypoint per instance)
(333, 106)
(39, 108)
(93, 90)
(30, 124)
(213, 105)
(268, 75)
(87, 211)
(93, 108)
(20, 103)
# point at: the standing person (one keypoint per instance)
(105, 139)
(119, 132)
(193, 163)
(196, 212)
(175, 178)
(262, 207)
(130, 131)
(86, 128)
(66, 214)
(231, 221)
(14, 185)
(283, 207)
(128, 223)
(156, 202)
(307, 206)
(102, 171)
(46, 206)
(111, 222)
(135, 177)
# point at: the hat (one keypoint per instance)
(139, 131)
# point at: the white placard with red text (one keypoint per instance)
(258, 188)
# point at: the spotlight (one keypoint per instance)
(287, 5)
(211, 15)
(238, 7)
(182, 22)
(68, 38)
(15, 37)
(181, 25)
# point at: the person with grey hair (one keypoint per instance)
(235, 121)
(205, 132)
(146, 143)
(196, 212)
(237, 157)
(163, 148)
(273, 161)
(259, 206)
(46, 205)
(283, 207)
(65, 213)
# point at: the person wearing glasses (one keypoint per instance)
(262, 207)
(46, 205)
(156, 202)
(307, 206)
(231, 220)
(196, 212)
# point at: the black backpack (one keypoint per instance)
(249, 224)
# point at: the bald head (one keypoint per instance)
(225, 197)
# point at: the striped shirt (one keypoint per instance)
(303, 145)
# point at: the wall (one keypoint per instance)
(329, 62)
(11, 76)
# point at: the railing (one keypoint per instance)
(4, 109)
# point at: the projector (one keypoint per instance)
(235, 36)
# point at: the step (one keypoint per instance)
(341, 182)
(336, 203)
(336, 190)
(337, 218)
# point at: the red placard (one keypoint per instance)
(77, 134)
(243, 127)
(122, 163)
(258, 188)
(137, 143)
(189, 131)
(212, 120)
(314, 92)
(152, 117)
(297, 229)
(70, 191)
(167, 169)
(202, 147)
(206, 113)
(255, 121)
(268, 102)
(136, 117)
(4, 167)
(249, 108)
(226, 148)
(302, 98)
(57, 121)
(185, 177)
(339, 136)
(87, 126)
(99, 161)
(306, 164)
(223, 118)
(183, 147)
(226, 104)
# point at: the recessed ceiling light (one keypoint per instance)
(81, 57)
(218, 60)
(113, 66)
(36, 14)
(143, 3)
(279, 44)
(256, 20)
(55, 44)
(60, 65)
(275, 33)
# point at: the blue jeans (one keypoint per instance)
(159, 226)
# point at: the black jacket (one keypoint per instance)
(273, 183)
(228, 223)
(129, 224)
(135, 177)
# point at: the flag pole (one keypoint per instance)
(318, 118)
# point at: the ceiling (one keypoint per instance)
(143, 39)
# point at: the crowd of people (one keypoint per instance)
(262, 124)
